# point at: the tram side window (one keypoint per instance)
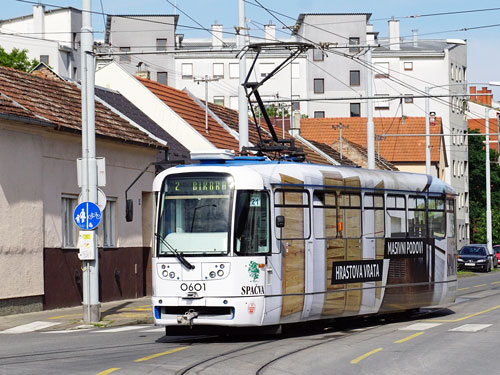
(437, 218)
(251, 232)
(325, 211)
(416, 217)
(374, 216)
(294, 206)
(396, 213)
(450, 209)
(349, 215)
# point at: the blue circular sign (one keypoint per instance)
(87, 215)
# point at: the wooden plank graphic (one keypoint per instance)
(293, 252)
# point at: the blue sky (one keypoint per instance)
(483, 44)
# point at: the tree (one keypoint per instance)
(17, 59)
(477, 190)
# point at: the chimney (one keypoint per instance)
(394, 35)
(178, 40)
(415, 37)
(217, 35)
(39, 21)
(142, 71)
(270, 33)
(295, 131)
(472, 90)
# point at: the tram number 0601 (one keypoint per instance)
(197, 287)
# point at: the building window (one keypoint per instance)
(318, 55)
(355, 109)
(218, 70)
(295, 71)
(219, 100)
(353, 41)
(161, 44)
(69, 229)
(265, 68)
(125, 58)
(44, 59)
(381, 70)
(75, 73)
(319, 114)
(319, 85)
(234, 70)
(452, 71)
(354, 78)
(75, 41)
(109, 223)
(382, 104)
(408, 65)
(187, 71)
(296, 102)
(162, 77)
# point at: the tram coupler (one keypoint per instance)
(187, 318)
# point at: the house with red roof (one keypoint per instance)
(40, 140)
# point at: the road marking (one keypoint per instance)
(420, 326)
(119, 329)
(467, 316)
(496, 282)
(462, 289)
(30, 327)
(409, 338)
(69, 330)
(470, 328)
(160, 354)
(143, 309)
(158, 329)
(361, 357)
(108, 371)
(480, 285)
(65, 316)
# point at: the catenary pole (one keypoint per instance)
(488, 183)
(370, 128)
(242, 99)
(91, 304)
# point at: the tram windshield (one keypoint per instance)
(194, 214)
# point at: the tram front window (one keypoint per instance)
(251, 232)
(194, 215)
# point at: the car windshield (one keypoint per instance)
(194, 214)
(473, 250)
(496, 249)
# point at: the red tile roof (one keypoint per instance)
(57, 103)
(394, 149)
(479, 125)
(180, 102)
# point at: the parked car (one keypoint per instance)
(494, 258)
(475, 257)
(496, 249)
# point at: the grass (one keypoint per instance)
(468, 273)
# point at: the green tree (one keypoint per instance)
(477, 190)
(17, 59)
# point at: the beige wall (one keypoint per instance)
(36, 167)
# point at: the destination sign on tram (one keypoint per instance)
(216, 185)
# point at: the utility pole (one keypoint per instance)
(340, 127)
(242, 98)
(427, 133)
(91, 304)
(370, 131)
(488, 182)
(206, 80)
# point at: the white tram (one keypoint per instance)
(247, 242)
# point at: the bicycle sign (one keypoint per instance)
(87, 215)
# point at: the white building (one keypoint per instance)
(51, 37)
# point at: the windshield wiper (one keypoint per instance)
(178, 255)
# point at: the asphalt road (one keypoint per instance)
(460, 340)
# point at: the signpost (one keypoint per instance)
(87, 215)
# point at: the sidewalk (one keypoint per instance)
(116, 313)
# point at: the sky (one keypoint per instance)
(483, 38)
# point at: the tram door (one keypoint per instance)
(293, 205)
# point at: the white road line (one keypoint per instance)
(155, 330)
(420, 326)
(470, 328)
(30, 327)
(119, 329)
(69, 330)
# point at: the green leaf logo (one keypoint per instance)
(253, 271)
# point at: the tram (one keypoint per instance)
(252, 242)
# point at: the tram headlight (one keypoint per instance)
(221, 266)
(220, 273)
(164, 274)
(212, 274)
(171, 275)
